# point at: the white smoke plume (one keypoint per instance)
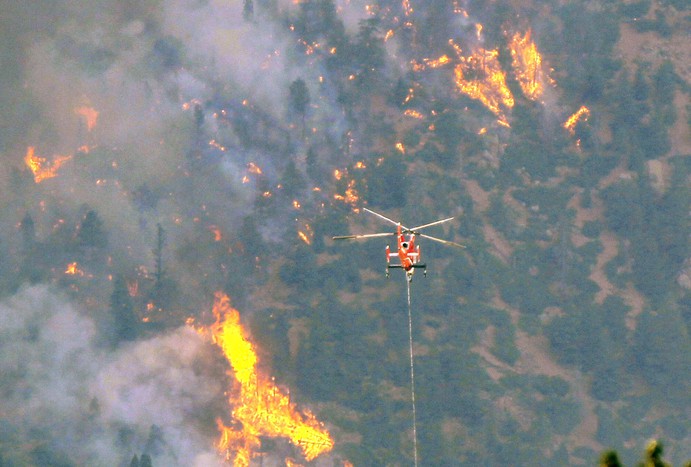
(65, 399)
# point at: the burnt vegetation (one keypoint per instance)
(578, 241)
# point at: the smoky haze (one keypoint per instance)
(72, 400)
(132, 93)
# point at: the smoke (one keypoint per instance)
(64, 399)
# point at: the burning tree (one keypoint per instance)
(259, 407)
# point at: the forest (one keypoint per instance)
(155, 153)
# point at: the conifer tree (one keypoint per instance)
(125, 322)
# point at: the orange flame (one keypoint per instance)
(303, 236)
(133, 288)
(216, 230)
(430, 63)
(254, 169)
(479, 76)
(38, 165)
(73, 269)
(570, 123)
(413, 113)
(350, 197)
(478, 31)
(527, 64)
(90, 116)
(260, 408)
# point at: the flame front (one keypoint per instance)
(479, 76)
(570, 123)
(527, 64)
(260, 409)
(38, 165)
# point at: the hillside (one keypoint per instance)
(161, 155)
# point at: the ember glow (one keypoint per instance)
(254, 169)
(39, 165)
(259, 407)
(414, 114)
(89, 114)
(216, 230)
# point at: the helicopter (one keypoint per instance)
(408, 251)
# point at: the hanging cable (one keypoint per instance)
(412, 375)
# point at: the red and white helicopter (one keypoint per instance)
(408, 251)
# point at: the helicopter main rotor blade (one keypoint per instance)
(356, 237)
(420, 227)
(385, 218)
(444, 242)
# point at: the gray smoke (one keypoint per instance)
(64, 399)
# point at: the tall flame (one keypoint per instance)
(481, 77)
(260, 408)
(527, 65)
(38, 165)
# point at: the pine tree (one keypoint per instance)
(145, 461)
(91, 233)
(248, 10)
(299, 100)
(28, 229)
(125, 322)
(609, 459)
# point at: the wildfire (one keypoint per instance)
(479, 76)
(570, 123)
(38, 165)
(216, 230)
(73, 269)
(527, 64)
(413, 113)
(303, 236)
(431, 63)
(89, 114)
(215, 144)
(407, 8)
(254, 169)
(260, 408)
(133, 288)
(350, 197)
